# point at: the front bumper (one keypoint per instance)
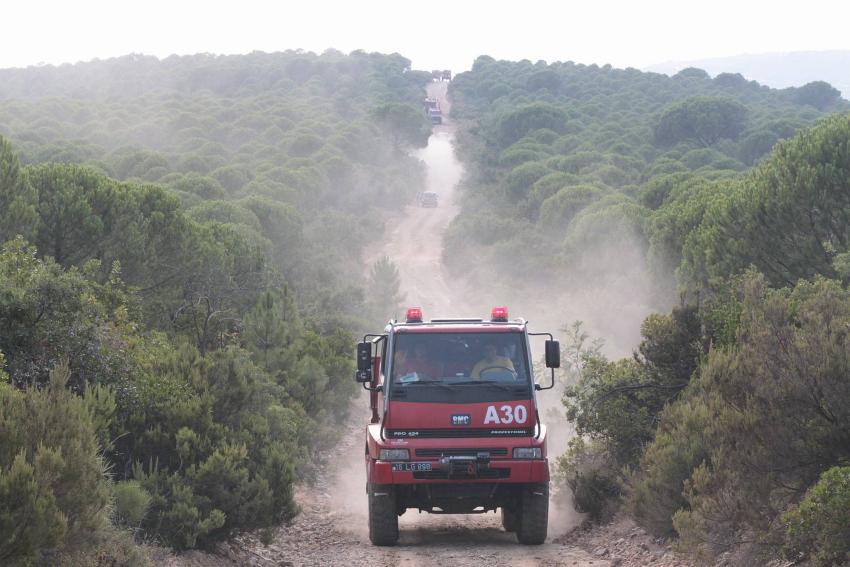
(431, 471)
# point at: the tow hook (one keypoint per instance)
(465, 465)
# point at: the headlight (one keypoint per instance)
(395, 455)
(528, 453)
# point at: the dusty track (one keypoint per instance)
(332, 528)
(414, 243)
(414, 240)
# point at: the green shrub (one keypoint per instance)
(819, 527)
(131, 503)
(617, 407)
(30, 520)
(230, 462)
(657, 492)
(52, 480)
(620, 402)
(592, 477)
(47, 313)
(179, 517)
(759, 425)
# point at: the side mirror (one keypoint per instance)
(364, 363)
(553, 354)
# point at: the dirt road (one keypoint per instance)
(332, 528)
(414, 240)
(414, 243)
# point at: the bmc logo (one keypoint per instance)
(461, 419)
(506, 414)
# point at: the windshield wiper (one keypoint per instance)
(426, 383)
(489, 382)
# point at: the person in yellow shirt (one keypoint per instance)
(491, 360)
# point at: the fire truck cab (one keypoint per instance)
(454, 425)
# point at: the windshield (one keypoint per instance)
(460, 367)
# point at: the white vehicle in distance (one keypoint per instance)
(427, 199)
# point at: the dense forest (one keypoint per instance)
(180, 284)
(574, 158)
(727, 430)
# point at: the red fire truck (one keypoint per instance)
(455, 427)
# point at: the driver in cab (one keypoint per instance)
(491, 360)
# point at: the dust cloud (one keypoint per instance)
(610, 291)
(348, 474)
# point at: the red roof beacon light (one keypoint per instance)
(499, 314)
(414, 315)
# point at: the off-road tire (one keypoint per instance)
(533, 514)
(510, 518)
(383, 514)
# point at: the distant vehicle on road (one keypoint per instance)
(436, 75)
(427, 199)
(432, 110)
(446, 76)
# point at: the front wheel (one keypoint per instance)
(383, 515)
(533, 514)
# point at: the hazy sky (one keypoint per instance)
(433, 33)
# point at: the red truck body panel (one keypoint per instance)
(494, 427)
(455, 427)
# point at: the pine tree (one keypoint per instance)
(17, 198)
(385, 289)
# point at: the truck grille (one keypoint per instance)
(455, 452)
(484, 474)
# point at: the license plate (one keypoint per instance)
(413, 467)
